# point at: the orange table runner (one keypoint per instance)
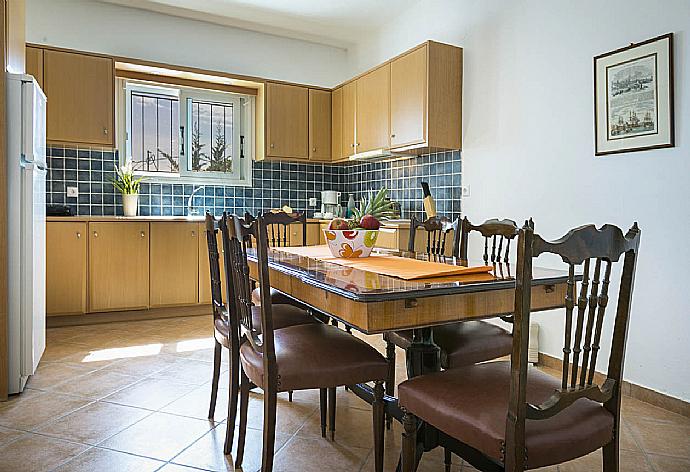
(395, 266)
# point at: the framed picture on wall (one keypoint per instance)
(633, 97)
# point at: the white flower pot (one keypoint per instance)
(130, 204)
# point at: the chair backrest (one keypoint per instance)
(237, 233)
(594, 251)
(500, 232)
(437, 230)
(214, 267)
(278, 226)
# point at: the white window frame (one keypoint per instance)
(243, 125)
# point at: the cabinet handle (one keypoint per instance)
(272, 145)
(105, 131)
(357, 144)
(313, 149)
(95, 234)
(193, 233)
(78, 235)
(143, 234)
(392, 136)
(352, 145)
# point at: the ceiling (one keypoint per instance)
(333, 22)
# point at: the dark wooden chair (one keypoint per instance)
(310, 356)
(467, 342)
(226, 332)
(504, 416)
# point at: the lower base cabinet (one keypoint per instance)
(174, 264)
(118, 266)
(66, 257)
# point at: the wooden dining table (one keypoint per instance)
(374, 303)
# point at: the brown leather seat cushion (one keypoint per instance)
(283, 316)
(316, 356)
(471, 404)
(464, 343)
(276, 297)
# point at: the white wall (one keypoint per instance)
(528, 139)
(97, 27)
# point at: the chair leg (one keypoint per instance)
(232, 404)
(290, 396)
(448, 459)
(611, 453)
(244, 405)
(409, 443)
(390, 381)
(331, 411)
(379, 421)
(270, 406)
(217, 354)
(324, 406)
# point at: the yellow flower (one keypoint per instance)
(347, 251)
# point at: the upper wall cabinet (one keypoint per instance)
(373, 107)
(349, 117)
(319, 125)
(426, 98)
(34, 63)
(287, 116)
(81, 92)
(337, 124)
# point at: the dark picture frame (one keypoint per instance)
(633, 97)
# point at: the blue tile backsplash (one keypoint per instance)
(273, 185)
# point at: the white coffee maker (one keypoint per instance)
(330, 204)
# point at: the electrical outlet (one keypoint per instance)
(312, 202)
(465, 190)
(72, 192)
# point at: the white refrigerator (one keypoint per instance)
(26, 225)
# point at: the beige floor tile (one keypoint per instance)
(33, 408)
(60, 351)
(152, 394)
(353, 427)
(290, 417)
(8, 435)
(177, 468)
(629, 462)
(143, 366)
(159, 436)
(189, 371)
(95, 385)
(104, 460)
(662, 438)
(634, 410)
(669, 464)
(307, 455)
(35, 453)
(94, 423)
(196, 403)
(50, 374)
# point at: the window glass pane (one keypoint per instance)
(155, 121)
(211, 140)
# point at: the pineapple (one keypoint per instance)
(374, 208)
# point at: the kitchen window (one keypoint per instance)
(178, 134)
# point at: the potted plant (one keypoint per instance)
(128, 185)
(356, 237)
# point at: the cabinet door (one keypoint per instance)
(118, 266)
(337, 124)
(174, 263)
(204, 271)
(34, 63)
(408, 98)
(81, 94)
(373, 110)
(65, 268)
(319, 125)
(349, 118)
(287, 116)
(313, 233)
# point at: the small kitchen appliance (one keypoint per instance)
(330, 204)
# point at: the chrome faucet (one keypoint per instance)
(191, 209)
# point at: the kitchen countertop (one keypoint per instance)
(398, 223)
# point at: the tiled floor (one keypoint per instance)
(134, 397)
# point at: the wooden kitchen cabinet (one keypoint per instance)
(66, 256)
(296, 237)
(118, 266)
(349, 108)
(81, 92)
(174, 263)
(287, 117)
(337, 124)
(204, 271)
(408, 98)
(319, 125)
(34, 63)
(373, 110)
